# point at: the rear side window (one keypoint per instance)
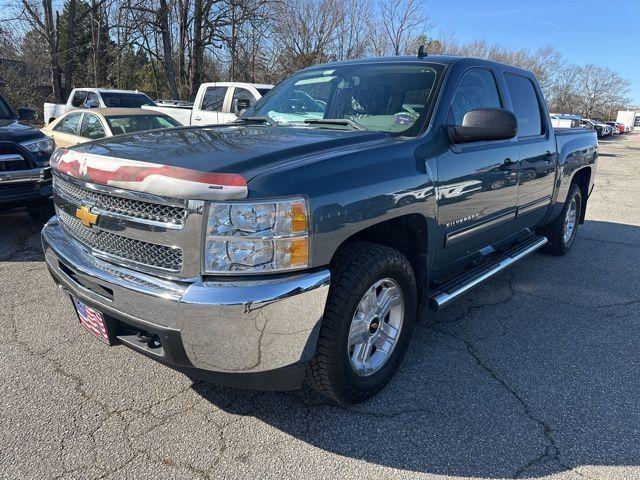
(244, 94)
(477, 89)
(69, 124)
(214, 99)
(91, 127)
(125, 100)
(525, 105)
(92, 101)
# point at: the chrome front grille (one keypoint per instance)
(11, 162)
(123, 248)
(167, 214)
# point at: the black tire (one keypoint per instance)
(555, 232)
(356, 268)
(41, 215)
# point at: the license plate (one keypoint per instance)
(92, 320)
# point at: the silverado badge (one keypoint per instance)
(85, 216)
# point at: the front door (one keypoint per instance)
(207, 110)
(478, 181)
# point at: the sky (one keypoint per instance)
(603, 32)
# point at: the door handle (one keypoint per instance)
(197, 118)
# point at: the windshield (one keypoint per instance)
(139, 123)
(125, 100)
(391, 98)
(5, 110)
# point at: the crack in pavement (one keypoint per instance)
(551, 450)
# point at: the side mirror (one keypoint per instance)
(484, 124)
(240, 105)
(27, 114)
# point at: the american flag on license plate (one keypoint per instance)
(92, 320)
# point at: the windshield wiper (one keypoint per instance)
(336, 121)
(261, 119)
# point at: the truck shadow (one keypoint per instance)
(534, 373)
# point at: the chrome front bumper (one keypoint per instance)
(230, 327)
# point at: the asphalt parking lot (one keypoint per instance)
(536, 374)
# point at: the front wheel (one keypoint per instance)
(562, 232)
(367, 325)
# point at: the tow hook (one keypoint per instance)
(151, 339)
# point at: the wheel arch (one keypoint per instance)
(582, 178)
(406, 233)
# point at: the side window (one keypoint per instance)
(214, 99)
(69, 124)
(91, 127)
(78, 99)
(92, 100)
(477, 89)
(525, 105)
(244, 95)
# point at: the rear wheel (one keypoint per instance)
(367, 323)
(562, 232)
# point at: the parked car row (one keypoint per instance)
(215, 103)
(93, 114)
(602, 128)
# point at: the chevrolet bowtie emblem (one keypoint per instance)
(85, 216)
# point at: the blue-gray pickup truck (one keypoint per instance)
(299, 242)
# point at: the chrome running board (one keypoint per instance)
(451, 290)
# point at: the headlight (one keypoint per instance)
(40, 145)
(265, 236)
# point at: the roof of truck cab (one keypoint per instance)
(442, 59)
(236, 84)
(107, 90)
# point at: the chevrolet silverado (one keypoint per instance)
(299, 242)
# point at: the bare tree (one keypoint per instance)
(304, 32)
(400, 22)
(42, 20)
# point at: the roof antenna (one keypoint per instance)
(422, 51)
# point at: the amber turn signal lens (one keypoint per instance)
(298, 218)
(299, 251)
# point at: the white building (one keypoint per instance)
(630, 118)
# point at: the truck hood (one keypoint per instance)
(12, 130)
(239, 149)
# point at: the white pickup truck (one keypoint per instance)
(96, 98)
(216, 103)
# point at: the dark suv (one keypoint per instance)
(25, 175)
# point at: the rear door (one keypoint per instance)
(208, 109)
(477, 181)
(65, 132)
(536, 149)
(241, 100)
